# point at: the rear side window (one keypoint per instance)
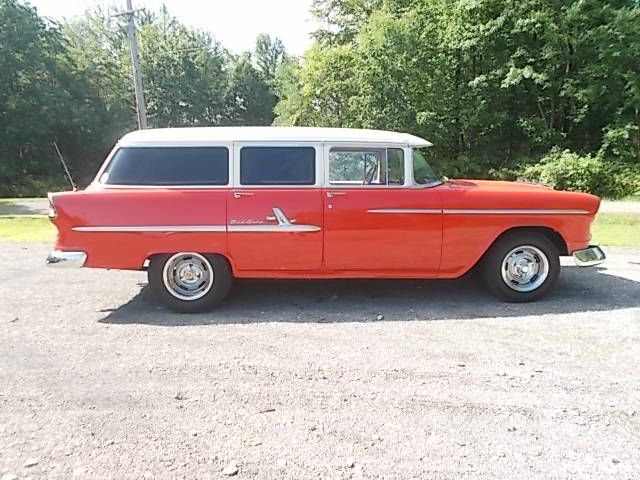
(277, 166)
(168, 166)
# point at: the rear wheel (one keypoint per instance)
(190, 282)
(521, 267)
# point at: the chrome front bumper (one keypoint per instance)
(589, 256)
(66, 259)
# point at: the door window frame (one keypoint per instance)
(408, 170)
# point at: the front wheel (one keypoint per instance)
(521, 267)
(190, 282)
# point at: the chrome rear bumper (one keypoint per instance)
(589, 256)
(66, 259)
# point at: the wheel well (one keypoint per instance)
(149, 259)
(550, 233)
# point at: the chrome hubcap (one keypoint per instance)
(525, 268)
(188, 276)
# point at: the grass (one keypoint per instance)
(616, 229)
(33, 228)
(609, 229)
(632, 198)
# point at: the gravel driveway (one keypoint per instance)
(29, 206)
(318, 379)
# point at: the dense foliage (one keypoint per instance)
(71, 84)
(495, 84)
(566, 170)
(503, 89)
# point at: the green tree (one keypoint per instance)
(269, 55)
(184, 73)
(494, 83)
(342, 19)
(287, 87)
(98, 45)
(249, 99)
(43, 98)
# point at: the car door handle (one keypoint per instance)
(280, 217)
(242, 194)
(335, 194)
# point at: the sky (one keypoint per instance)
(234, 23)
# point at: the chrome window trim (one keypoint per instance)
(159, 187)
(359, 148)
(366, 146)
(363, 186)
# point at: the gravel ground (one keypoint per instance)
(31, 206)
(318, 379)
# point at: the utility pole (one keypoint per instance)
(135, 63)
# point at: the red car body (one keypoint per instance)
(351, 242)
(363, 208)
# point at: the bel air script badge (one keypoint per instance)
(248, 221)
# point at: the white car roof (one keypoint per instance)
(212, 135)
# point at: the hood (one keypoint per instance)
(495, 185)
(517, 195)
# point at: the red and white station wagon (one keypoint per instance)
(198, 207)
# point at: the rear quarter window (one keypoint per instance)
(277, 166)
(168, 166)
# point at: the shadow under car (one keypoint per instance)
(324, 301)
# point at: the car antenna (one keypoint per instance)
(66, 169)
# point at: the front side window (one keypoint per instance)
(168, 166)
(277, 166)
(376, 166)
(422, 172)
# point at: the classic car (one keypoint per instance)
(198, 207)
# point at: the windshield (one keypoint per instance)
(422, 172)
